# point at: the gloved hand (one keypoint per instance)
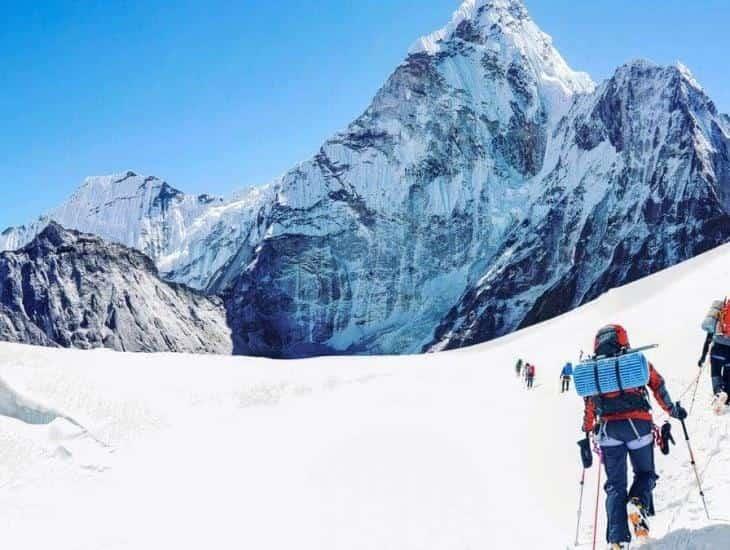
(586, 456)
(701, 362)
(678, 412)
(666, 438)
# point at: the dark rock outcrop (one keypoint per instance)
(70, 289)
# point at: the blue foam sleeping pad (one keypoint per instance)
(611, 374)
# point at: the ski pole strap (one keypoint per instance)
(684, 427)
(597, 450)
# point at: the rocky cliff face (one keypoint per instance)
(74, 290)
(488, 186)
(369, 244)
(636, 180)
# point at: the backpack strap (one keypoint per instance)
(633, 427)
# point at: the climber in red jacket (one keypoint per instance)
(623, 426)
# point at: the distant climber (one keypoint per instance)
(529, 375)
(565, 376)
(717, 342)
(622, 424)
(518, 368)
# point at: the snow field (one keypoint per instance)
(444, 451)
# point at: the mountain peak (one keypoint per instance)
(492, 11)
(677, 74)
(122, 188)
(503, 28)
(476, 18)
(123, 179)
(55, 238)
(687, 75)
(55, 234)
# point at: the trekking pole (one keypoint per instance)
(598, 493)
(580, 505)
(595, 513)
(694, 393)
(694, 466)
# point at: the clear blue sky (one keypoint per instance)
(214, 96)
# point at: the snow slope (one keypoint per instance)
(442, 451)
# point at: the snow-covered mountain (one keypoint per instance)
(71, 289)
(636, 179)
(488, 174)
(487, 186)
(143, 212)
(189, 237)
(372, 241)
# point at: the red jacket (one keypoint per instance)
(530, 370)
(658, 388)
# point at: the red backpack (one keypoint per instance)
(723, 320)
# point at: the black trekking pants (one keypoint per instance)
(720, 368)
(621, 439)
(566, 384)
